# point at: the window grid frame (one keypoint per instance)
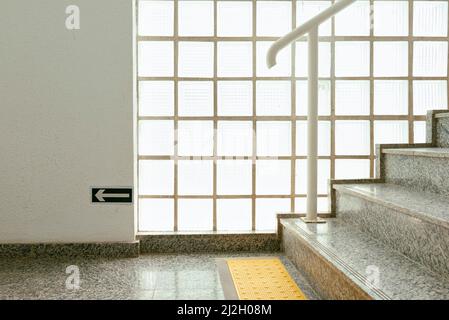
(293, 118)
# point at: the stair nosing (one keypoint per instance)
(442, 115)
(407, 211)
(420, 153)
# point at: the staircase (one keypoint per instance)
(389, 236)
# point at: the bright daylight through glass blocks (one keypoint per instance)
(222, 138)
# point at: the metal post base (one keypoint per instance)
(317, 220)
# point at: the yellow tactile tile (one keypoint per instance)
(263, 279)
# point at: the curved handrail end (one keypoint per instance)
(304, 29)
(271, 57)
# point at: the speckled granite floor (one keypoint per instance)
(184, 277)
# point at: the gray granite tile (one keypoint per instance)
(326, 279)
(152, 276)
(423, 238)
(429, 207)
(431, 125)
(436, 152)
(442, 132)
(344, 260)
(300, 279)
(183, 294)
(425, 173)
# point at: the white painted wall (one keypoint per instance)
(66, 120)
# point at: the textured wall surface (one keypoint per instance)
(66, 120)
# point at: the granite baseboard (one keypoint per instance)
(209, 243)
(57, 250)
(154, 243)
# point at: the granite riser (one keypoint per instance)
(424, 242)
(442, 132)
(429, 174)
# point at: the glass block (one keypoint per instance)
(352, 97)
(419, 131)
(235, 138)
(274, 138)
(324, 171)
(156, 98)
(196, 59)
(390, 132)
(428, 95)
(273, 98)
(156, 215)
(156, 18)
(300, 205)
(322, 205)
(352, 137)
(234, 18)
(266, 210)
(352, 168)
(324, 97)
(390, 18)
(302, 58)
(306, 10)
(430, 18)
(156, 137)
(196, 98)
(281, 69)
(390, 97)
(196, 18)
(234, 177)
(155, 58)
(274, 18)
(390, 58)
(195, 177)
(195, 215)
(273, 177)
(195, 138)
(156, 177)
(234, 214)
(324, 138)
(235, 98)
(352, 58)
(354, 20)
(430, 58)
(235, 59)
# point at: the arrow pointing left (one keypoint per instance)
(123, 195)
(101, 195)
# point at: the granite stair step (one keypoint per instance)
(425, 169)
(342, 262)
(442, 129)
(415, 223)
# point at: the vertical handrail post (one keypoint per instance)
(310, 28)
(312, 127)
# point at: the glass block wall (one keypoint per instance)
(222, 139)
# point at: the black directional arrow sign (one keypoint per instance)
(112, 195)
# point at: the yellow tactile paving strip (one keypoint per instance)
(263, 279)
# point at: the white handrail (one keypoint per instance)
(303, 29)
(310, 27)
